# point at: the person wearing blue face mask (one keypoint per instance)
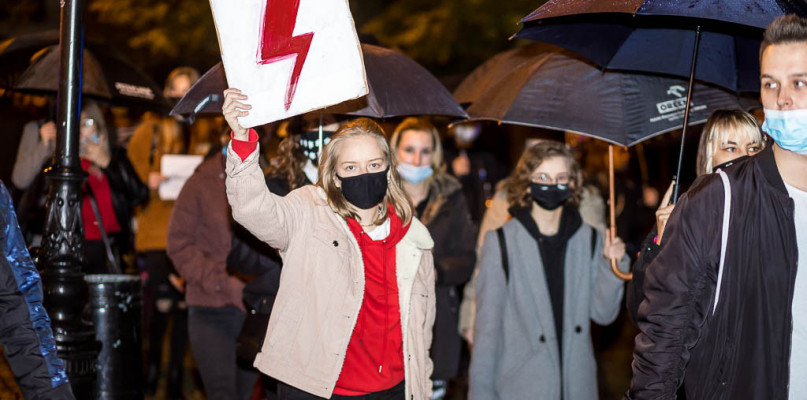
(725, 309)
(543, 278)
(440, 204)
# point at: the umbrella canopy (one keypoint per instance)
(544, 86)
(15, 54)
(105, 75)
(398, 86)
(658, 36)
(758, 13)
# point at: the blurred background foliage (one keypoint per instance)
(449, 37)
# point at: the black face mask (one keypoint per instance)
(309, 142)
(729, 163)
(550, 197)
(366, 190)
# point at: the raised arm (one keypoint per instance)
(271, 218)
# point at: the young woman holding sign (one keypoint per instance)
(355, 309)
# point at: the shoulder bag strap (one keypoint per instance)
(503, 249)
(724, 237)
(113, 262)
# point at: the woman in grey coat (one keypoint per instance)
(543, 277)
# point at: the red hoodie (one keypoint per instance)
(374, 358)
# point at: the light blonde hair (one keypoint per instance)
(716, 131)
(395, 196)
(420, 124)
(516, 185)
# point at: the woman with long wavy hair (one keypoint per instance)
(543, 277)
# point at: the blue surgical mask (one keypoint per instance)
(413, 174)
(788, 129)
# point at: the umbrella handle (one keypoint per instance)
(625, 276)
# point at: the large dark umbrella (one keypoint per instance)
(398, 86)
(544, 86)
(106, 75)
(659, 36)
(16, 53)
(714, 41)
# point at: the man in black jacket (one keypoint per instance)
(751, 345)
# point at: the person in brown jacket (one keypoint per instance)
(199, 239)
(354, 312)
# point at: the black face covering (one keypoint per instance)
(366, 190)
(550, 197)
(729, 163)
(309, 141)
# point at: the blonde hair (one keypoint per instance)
(395, 197)
(190, 72)
(516, 185)
(716, 130)
(420, 124)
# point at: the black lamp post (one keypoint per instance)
(62, 252)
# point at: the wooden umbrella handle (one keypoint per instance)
(625, 276)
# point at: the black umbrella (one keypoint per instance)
(545, 86)
(664, 37)
(106, 75)
(398, 86)
(16, 53)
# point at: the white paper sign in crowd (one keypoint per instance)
(289, 56)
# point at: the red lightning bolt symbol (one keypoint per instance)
(278, 44)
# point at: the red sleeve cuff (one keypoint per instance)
(245, 147)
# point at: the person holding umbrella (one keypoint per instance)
(354, 312)
(441, 206)
(543, 277)
(725, 309)
(729, 137)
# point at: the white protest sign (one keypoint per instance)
(289, 56)
(176, 168)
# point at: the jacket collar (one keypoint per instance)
(441, 188)
(767, 164)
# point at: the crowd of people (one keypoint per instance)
(350, 262)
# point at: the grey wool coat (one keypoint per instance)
(515, 352)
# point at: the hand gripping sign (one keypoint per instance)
(289, 56)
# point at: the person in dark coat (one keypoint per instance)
(109, 195)
(440, 204)
(728, 137)
(25, 331)
(742, 333)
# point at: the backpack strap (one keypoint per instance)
(503, 249)
(724, 237)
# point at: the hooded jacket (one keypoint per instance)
(742, 351)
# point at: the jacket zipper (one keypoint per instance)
(791, 208)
